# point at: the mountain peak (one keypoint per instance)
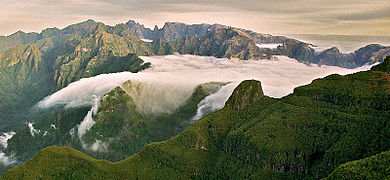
(246, 93)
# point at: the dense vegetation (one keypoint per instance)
(307, 134)
(32, 71)
(34, 65)
(51, 127)
(120, 130)
(124, 130)
(373, 167)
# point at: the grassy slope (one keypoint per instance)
(304, 135)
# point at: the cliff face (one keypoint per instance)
(247, 93)
(333, 57)
(32, 71)
(220, 43)
(172, 31)
(307, 134)
(199, 39)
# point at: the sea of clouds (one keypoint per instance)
(172, 79)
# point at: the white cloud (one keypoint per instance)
(4, 159)
(86, 124)
(173, 78)
(5, 137)
(33, 131)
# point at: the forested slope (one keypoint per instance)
(307, 134)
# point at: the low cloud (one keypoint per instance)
(4, 159)
(5, 137)
(33, 131)
(173, 78)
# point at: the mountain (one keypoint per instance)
(373, 167)
(229, 43)
(119, 128)
(333, 57)
(20, 38)
(32, 71)
(307, 134)
(197, 38)
(172, 31)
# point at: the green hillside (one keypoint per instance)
(307, 134)
(32, 71)
(121, 129)
(373, 167)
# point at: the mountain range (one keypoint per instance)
(335, 127)
(34, 65)
(308, 134)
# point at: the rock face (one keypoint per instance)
(305, 135)
(333, 57)
(200, 39)
(246, 94)
(172, 31)
(32, 71)
(230, 43)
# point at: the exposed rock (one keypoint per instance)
(245, 94)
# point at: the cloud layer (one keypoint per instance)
(172, 79)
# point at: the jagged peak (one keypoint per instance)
(245, 94)
(333, 49)
(134, 23)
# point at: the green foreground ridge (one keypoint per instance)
(336, 127)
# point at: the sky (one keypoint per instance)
(346, 17)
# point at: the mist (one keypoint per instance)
(33, 131)
(172, 79)
(4, 138)
(269, 46)
(4, 159)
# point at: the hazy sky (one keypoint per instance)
(352, 17)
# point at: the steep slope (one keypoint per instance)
(333, 57)
(20, 38)
(172, 31)
(24, 80)
(32, 71)
(373, 167)
(304, 135)
(102, 52)
(119, 128)
(230, 43)
(198, 36)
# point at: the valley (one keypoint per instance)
(192, 101)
